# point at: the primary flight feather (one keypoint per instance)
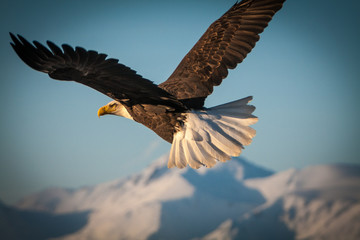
(175, 108)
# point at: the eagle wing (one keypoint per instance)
(225, 44)
(93, 69)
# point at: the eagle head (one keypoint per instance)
(114, 108)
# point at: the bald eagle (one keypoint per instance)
(174, 109)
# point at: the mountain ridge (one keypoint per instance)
(233, 200)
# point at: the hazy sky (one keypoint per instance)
(304, 76)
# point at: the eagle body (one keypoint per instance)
(162, 120)
(174, 109)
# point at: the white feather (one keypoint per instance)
(212, 135)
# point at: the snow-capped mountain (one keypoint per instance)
(235, 200)
(319, 202)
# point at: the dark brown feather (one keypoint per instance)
(94, 70)
(159, 118)
(225, 44)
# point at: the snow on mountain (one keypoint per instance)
(319, 202)
(234, 200)
(158, 203)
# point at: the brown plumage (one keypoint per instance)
(164, 108)
(225, 44)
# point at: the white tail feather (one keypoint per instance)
(212, 135)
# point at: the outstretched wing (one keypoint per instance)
(225, 44)
(92, 69)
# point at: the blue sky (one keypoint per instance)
(304, 76)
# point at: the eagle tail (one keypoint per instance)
(214, 134)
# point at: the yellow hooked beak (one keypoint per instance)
(103, 110)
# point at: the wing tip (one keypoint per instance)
(14, 39)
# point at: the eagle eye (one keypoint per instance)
(112, 105)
